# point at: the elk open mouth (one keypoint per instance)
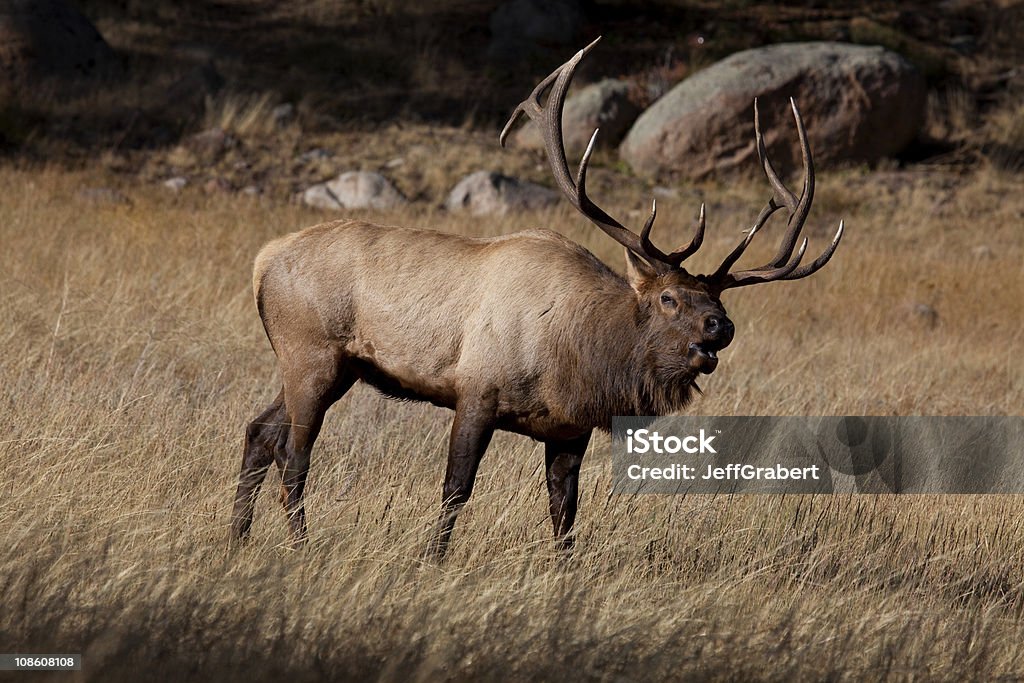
(703, 358)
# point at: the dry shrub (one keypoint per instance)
(951, 115)
(241, 113)
(1004, 132)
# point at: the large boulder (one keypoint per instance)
(354, 190)
(859, 103)
(49, 38)
(489, 193)
(605, 105)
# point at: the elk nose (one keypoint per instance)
(718, 327)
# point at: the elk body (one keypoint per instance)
(529, 332)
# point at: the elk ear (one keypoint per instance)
(638, 271)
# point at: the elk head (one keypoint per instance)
(683, 312)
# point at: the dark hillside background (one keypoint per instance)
(355, 65)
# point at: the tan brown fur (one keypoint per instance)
(532, 317)
(529, 332)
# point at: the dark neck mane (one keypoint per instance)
(621, 370)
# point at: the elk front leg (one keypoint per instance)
(563, 460)
(471, 434)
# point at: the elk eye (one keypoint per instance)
(668, 301)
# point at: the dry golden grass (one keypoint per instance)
(133, 358)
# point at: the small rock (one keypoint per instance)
(198, 52)
(251, 191)
(354, 190)
(216, 186)
(926, 314)
(395, 163)
(965, 45)
(283, 114)
(665, 192)
(490, 193)
(983, 251)
(315, 154)
(176, 184)
(103, 195)
(208, 145)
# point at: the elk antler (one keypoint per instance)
(549, 118)
(778, 268)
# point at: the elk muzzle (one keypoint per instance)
(717, 331)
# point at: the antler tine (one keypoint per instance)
(752, 277)
(803, 207)
(549, 117)
(734, 256)
(813, 267)
(789, 271)
(581, 172)
(645, 233)
(781, 197)
(778, 268)
(677, 257)
(782, 193)
(531, 105)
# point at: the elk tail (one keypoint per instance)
(261, 311)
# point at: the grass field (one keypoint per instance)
(133, 357)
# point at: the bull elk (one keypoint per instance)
(528, 332)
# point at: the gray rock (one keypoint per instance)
(354, 190)
(217, 186)
(283, 114)
(103, 195)
(925, 314)
(489, 193)
(315, 154)
(858, 103)
(50, 38)
(209, 145)
(176, 184)
(605, 105)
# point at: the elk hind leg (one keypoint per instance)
(309, 392)
(262, 436)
